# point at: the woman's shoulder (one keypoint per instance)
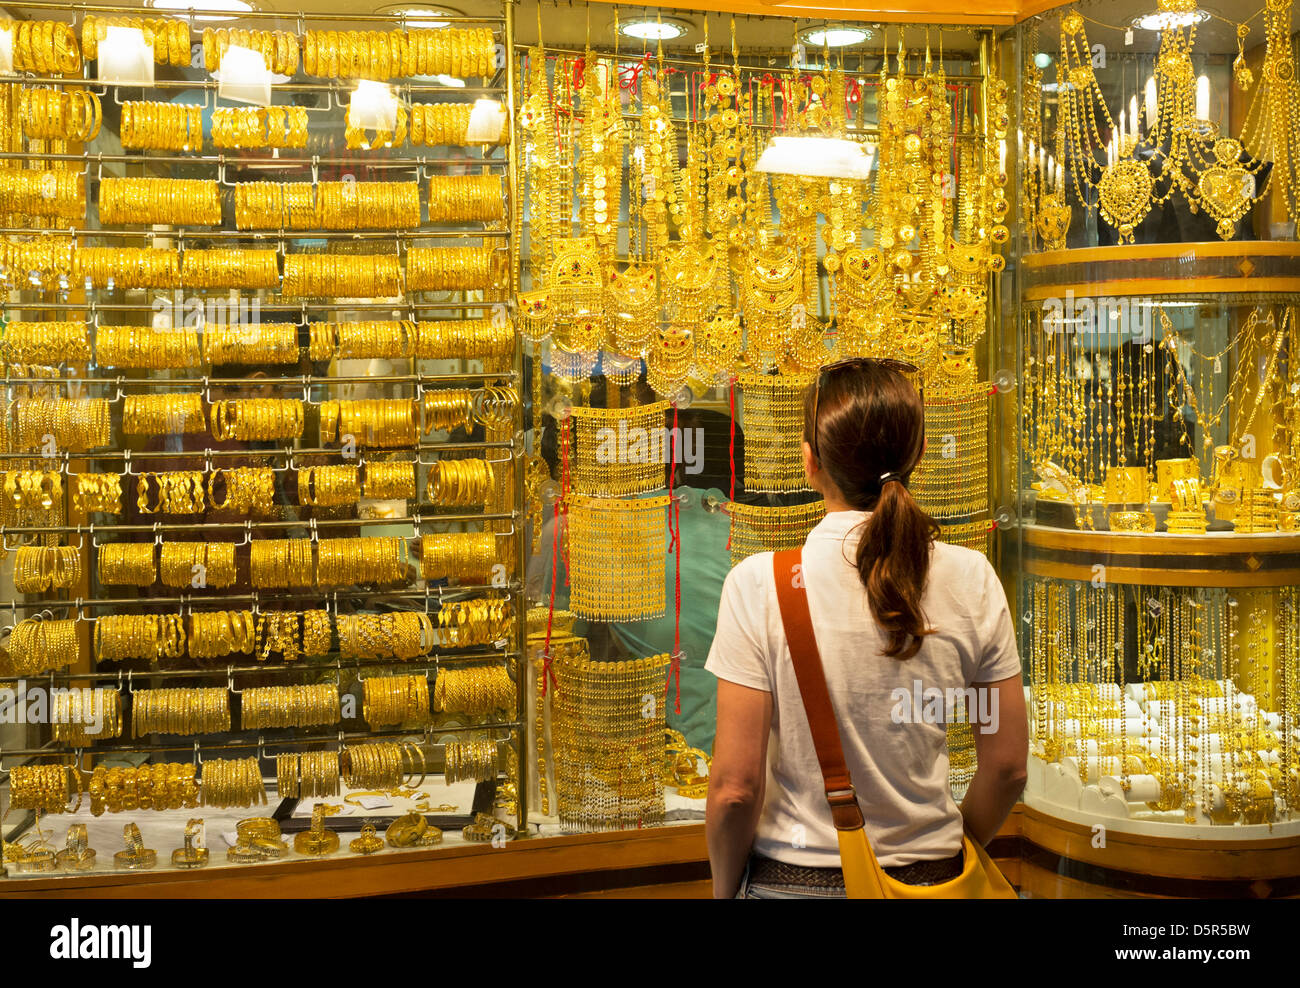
(752, 573)
(958, 562)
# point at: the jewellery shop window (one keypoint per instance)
(714, 208)
(1159, 279)
(259, 439)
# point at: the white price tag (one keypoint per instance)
(125, 58)
(373, 802)
(6, 50)
(243, 77)
(230, 837)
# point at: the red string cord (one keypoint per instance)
(731, 449)
(675, 547)
(564, 485)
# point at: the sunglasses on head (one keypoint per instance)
(902, 366)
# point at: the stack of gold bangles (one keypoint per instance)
(45, 47)
(391, 480)
(197, 564)
(341, 275)
(368, 205)
(466, 198)
(460, 483)
(289, 706)
(398, 635)
(232, 782)
(214, 634)
(42, 342)
(138, 636)
(80, 716)
(169, 39)
(469, 761)
(279, 49)
(176, 492)
(474, 690)
(354, 562)
(366, 340)
(160, 415)
(443, 124)
(463, 556)
(58, 114)
(464, 338)
(370, 421)
(307, 775)
(382, 765)
(281, 563)
(380, 55)
(248, 490)
(392, 700)
(259, 127)
(231, 268)
(455, 269)
(146, 348)
(37, 646)
(41, 787)
(39, 568)
(42, 263)
(265, 343)
(55, 194)
(77, 424)
(97, 492)
(329, 486)
(127, 564)
(128, 267)
(275, 206)
(257, 839)
(175, 201)
(447, 409)
(180, 711)
(473, 622)
(162, 126)
(161, 786)
(257, 419)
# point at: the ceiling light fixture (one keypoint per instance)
(204, 10)
(659, 29)
(1170, 20)
(834, 36)
(415, 16)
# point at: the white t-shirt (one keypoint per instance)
(900, 770)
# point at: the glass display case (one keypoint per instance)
(261, 523)
(1158, 278)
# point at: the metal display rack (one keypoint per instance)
(502, 445)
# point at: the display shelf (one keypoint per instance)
(441, 652)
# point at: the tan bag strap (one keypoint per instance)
(792, 597)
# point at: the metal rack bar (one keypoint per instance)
(186, 14)
(161, 528)
(302, 380)
(525, 765)
(293, 161)
(340, 737)
(287, 452)
(464, 656)
(267, 306)
(189, 233)
(189, 600)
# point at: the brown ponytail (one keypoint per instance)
(865, 423)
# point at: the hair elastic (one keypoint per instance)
(887, 477)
